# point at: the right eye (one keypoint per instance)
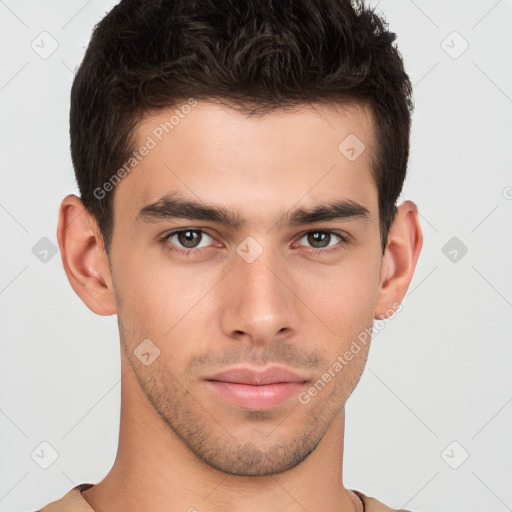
(189, 240)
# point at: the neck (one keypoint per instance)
(154, 471)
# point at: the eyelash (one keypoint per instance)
(188, 252)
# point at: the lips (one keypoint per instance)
(272, 375)
(251, 389)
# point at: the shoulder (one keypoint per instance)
(373, 505)
(72, 501)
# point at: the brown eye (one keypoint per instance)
(187, 239)
(322, 239)
(319, 239)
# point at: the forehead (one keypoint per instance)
(211, 152)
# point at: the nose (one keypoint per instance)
(259, 303)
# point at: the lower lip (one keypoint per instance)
(257, 398)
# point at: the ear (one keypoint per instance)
(405, 240)
(84, 258)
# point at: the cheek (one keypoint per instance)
(345, 297)
(346, 305)
(161, 301)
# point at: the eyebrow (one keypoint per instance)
(170, 207)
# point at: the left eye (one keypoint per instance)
(321, 239)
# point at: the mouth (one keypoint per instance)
(251, 389)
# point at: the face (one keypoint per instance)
(245, 279)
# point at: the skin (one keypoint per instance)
(181, 445)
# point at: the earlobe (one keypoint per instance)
(405, 241)
(84, 258)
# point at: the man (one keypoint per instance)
(239, 164)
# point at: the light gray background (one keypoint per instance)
(438, 373)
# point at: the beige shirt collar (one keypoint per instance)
(74, 502)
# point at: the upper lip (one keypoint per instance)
(271, 375)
